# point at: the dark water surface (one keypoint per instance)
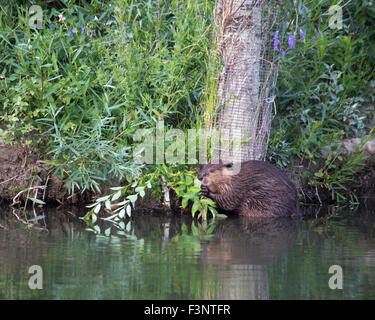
(176, 258)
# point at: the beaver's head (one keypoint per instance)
(214, 175)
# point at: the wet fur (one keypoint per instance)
(259, 189)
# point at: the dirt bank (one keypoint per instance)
(23, 174)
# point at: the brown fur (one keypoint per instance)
(259, 189)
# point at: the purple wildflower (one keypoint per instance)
(83, 30)
(301, 10)
(282, 52)
(92, 32)
(70, 32)
(303, 35)
(276, 41)
(124, 26)
(51, 26)
(291, 41)
(202, 16)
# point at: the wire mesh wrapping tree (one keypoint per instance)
(242, 95)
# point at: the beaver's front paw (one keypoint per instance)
(204, 191)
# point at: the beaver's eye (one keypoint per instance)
(229, 165)
(212, 170)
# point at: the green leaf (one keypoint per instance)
(91, 205)
(116, 188)
(37, 201)
(195, 189)
(122, 202)
(94, 218)
(77, 54)
(139, 189)
(116, 196)
(121, 213)
(213, 211)
(184, 202)
(129, 210)
(195, 208)
(197, 183)
(133, 198)
(97, 208)
(319, 174)
(189, 180)
(134, 184)
(208, 201)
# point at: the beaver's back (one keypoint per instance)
(259, 189)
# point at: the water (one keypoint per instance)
(176, 258)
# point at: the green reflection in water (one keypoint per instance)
(174, 258)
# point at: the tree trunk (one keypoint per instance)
(246, 81)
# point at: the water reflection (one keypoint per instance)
(242, 249)
(159, 257)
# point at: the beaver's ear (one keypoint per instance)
(221, 162)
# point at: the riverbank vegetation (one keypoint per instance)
(76, 90)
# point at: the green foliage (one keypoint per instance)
(121, 209)
(323, 89)
(123, 199)
(99, 70)
(188, 187)
(95, 73)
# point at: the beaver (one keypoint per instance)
(259, 189)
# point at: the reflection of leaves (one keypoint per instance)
(319, 230)
(36, 218)
(211, 228)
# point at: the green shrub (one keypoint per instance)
(95, 73)
(323, 87)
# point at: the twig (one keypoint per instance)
(317, 194)
(45, 189)
(165, 191)
(71, 196)
(317, 213)
(12, 178)
(26, 190)
(33, 225)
